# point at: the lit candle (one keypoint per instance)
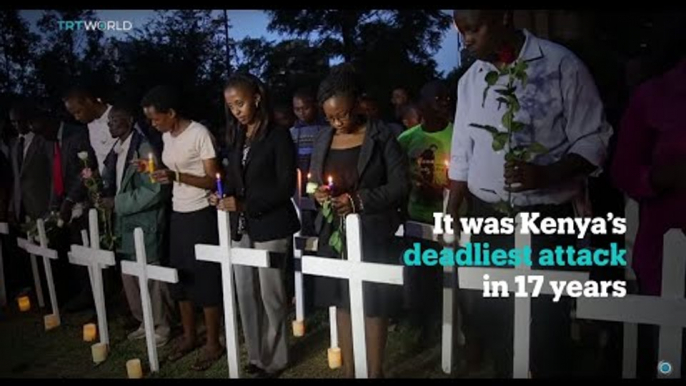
(151, 166)
(220, 188)
(309, 176)
(330, 183)
(133, 369)
(99, 351)
(298, 328)
(24, 303)
(335, 360)
(51, 321)
(89, 332)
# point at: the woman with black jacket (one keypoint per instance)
(369, 176)
(259, 183)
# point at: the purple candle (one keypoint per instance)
(220, 188)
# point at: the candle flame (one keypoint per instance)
(330, 180)
(309, 175)
(447, 163)
(219, 176)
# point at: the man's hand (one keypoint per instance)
(107, 202)
(521, 176)
(163, 176)
(65, 210)
(230, 204)
(322, 194)
(341, 204)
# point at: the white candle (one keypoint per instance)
(133, 369)
(99, 351)
(298, 328)
(51, 321)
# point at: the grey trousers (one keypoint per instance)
(263, 308)
(160, 299)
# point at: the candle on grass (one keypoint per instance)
(90, 330)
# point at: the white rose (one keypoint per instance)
(83, 155)
(311, 187)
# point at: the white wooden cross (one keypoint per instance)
(145, 272)
(4, 230)
(426, 232)
(21, 243)
(667, 311)
(91, 256)
(473, 278)
(228, 256)
(301, 244)
(356, 272)
(46, 253)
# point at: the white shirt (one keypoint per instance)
(100, 138)
(122, 149)
(560, 107)
(28, 137)
(185, 153)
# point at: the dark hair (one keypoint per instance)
(24, 107)
(164, 98)
(264, 112)
(81, 92)
(341, 81)
(429, 90)
(407, 107)
(125, 106)
(306, 94)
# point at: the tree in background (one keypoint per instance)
(385, 45)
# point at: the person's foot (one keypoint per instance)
(268, 375)
(161, 339)
(252, 369)
(182, 348)
(207, 357)
(138, 334)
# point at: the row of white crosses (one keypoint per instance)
(91, 256)
(667, 311)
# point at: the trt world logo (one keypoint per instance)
(94, 25)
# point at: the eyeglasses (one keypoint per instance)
(344, 118)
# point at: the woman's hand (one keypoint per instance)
(322, 194)
(230, 204)
(342, 205)
(163, 176)
(213, 199)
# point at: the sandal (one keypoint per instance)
(204, 362)
(178, 353)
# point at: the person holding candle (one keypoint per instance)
(189, 153)
(428, 147)
(369, 176)
(260, 182)
(137, 202)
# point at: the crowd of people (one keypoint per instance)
(427, 158)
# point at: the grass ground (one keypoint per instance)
(28, 351)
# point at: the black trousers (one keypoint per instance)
(489, 323)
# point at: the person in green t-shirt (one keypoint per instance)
(428, 148)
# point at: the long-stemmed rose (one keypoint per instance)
(515, 72)
(91, 181)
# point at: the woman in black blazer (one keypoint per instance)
(370, 176)
(259, 183)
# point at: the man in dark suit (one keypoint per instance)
(63, 144)
(30, 167)
(30, 189)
